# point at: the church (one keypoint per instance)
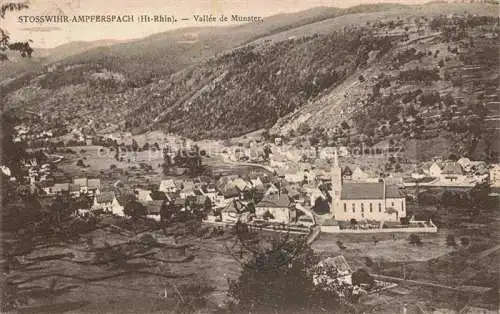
(365, 200)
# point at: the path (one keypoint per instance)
(425, 283)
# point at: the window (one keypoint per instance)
(362, 207)
(353, 207)
(379, 207)
(371, 208)
(402, 206)
(392, 204)
(345, 208)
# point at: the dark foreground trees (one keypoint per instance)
(280, 280)
(24, 48)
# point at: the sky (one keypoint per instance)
(52, 35)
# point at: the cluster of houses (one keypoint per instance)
(462, 172)
(26, 133)
(102, 200)
(344, 196)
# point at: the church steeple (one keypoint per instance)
(336, 159)
(336, 177)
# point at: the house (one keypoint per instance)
(257, 183)
(154, 209)
(339, 266)
(294, 177)
(90, 186)
(347, 173)
(240, 184)
(452, 171)
(210, 191)
(465, 163)
(277, 207)
(495, 175)
(435, 170)
(107, 202)
(159, 196)
(365, 200)
(74, 190)
(314, 194)
(213, 216)
(271, 189)
(187, 189)
(196, 202)
(231, 213)
(143, 195)
(168, 186)
(359, 175)
(58, 188)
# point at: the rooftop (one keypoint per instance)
(105, 197)
(279, 200)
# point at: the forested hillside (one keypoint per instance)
(326, 76)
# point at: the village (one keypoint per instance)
(324, 196)
(291, 187)
(358, 186)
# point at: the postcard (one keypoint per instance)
(264, 156)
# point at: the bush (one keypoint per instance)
(368, 261)
(415, 239)
(267, 215)
(147, 239)
(464, 241)
(340, 245)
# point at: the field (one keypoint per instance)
(435, 274)
(129, 171)
(178, 273)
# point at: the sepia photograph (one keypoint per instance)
(250, 156)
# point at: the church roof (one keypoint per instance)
(362, 191)
(369, 191)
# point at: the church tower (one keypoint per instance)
(336, 178)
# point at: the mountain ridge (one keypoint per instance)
(267, 80)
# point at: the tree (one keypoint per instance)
(135, 146)
(166, 211)
(479, 196)
(24, 48)
(397, 167)
(135, 210)
(267, 215)
(415, 239)
(207, 206)
(276, 282)
(267, 152)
